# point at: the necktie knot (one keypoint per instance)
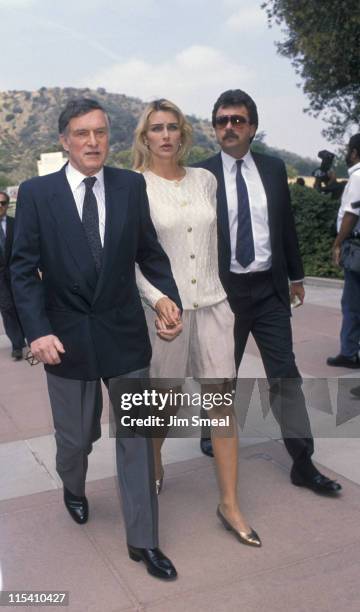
(89, 182)
(239, 163)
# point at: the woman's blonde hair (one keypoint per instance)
(140, 152)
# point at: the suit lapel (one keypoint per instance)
(63, 209)
(116, 202)
(267, 178)
(222, 209)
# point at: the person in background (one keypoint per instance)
(8, 311)
(347, 223)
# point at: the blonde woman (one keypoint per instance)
(183, 209)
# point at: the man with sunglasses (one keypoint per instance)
(8, 311)
(258, 255)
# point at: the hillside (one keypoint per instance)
(28, 127)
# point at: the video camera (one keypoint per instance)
(327, 158)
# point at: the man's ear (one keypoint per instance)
(355, 156)
(63, 143)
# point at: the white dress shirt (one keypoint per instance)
(258, 212)
(75, 180)
(350, 195)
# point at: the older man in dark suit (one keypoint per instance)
(84, 228)
(9, 315)
(258, 255)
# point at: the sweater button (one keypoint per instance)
(189, 229)
(192, 256)
(193, 280)
(195, 305)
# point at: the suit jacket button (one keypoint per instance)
(75, 288)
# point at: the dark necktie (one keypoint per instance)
(90, 220)
(2, 238)
(245, 250)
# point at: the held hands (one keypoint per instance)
(297, 294)
(47, 349)
(168, 322)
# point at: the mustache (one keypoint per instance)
(230, 134)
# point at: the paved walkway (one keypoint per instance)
(310, 559)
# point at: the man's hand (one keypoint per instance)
(47, 349)
(167, 310)
(297, 292)
(167, 332)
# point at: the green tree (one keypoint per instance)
(4, 181)
(322, 41)
(198, 153)
(122, 159)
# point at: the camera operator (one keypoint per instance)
(348, 224)
(325, 178)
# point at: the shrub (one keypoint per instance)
(315, 218)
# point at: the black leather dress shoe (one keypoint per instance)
(318, 483)
(341, 361)
(17, 354)
(157, 564)
(206, 447)
(78, 507)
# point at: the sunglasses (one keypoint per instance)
(235, 120)
(4, 203)
(31, 359)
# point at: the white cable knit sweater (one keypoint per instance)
(184, 216)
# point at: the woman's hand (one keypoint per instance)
(167, 310)
(167, 332)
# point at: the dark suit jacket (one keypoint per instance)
(6, 301)
(99, 320)
(286, 259)
(5, 258)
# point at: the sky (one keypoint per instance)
(188, 51)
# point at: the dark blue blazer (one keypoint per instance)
(99, 319)
(5, 256)
(286, 259)
(6, 300)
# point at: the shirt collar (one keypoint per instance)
(229, 161)
(354, 168)
(75, 177)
